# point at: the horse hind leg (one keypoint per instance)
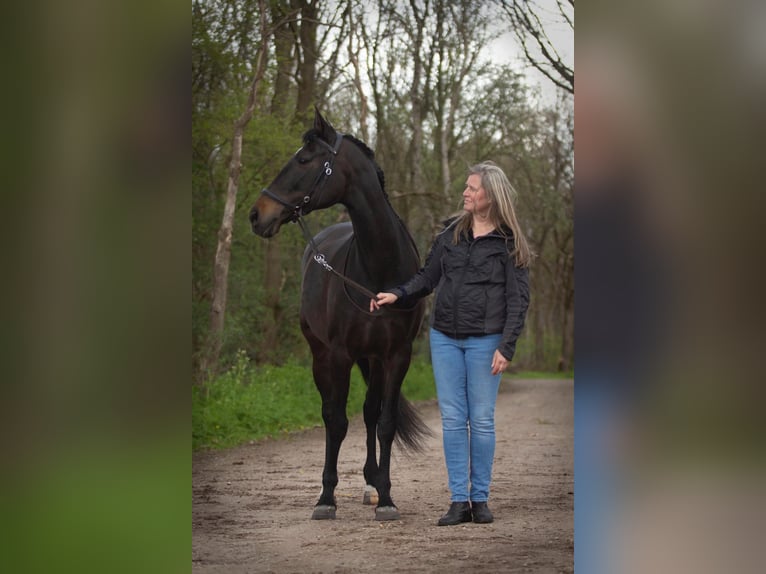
(395, 370)
(370, 496)
(385, 509)
(371, 415)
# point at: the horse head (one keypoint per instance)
(307, 182)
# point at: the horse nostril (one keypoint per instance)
(253, 216)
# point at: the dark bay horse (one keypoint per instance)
(353, 260)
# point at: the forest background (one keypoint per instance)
(424, 85)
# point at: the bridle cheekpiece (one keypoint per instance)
(299, 210)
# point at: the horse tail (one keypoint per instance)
(411, 429)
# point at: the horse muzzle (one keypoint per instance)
(264, 222)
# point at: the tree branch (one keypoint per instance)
(526, 23)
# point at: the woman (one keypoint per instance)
(479, 267)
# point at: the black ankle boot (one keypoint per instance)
(458, 512)
(481, 513)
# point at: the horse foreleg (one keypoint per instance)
(334, 391)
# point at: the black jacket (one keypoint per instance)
(479, 289)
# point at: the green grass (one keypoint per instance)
(250, 403)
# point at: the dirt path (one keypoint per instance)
(252, 505)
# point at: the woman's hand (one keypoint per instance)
(382, 299)
(499, 363)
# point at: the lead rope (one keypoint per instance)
(320, 258)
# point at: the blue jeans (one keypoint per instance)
(467, 392)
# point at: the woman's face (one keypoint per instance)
(475, 197)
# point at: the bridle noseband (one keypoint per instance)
(325, 172)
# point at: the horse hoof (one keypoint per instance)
(323, 512)
(370, 495)
(387, 513)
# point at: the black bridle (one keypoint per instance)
(298, 211)
(325, 172)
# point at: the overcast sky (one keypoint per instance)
(507, 48)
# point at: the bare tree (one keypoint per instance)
(223, 251)
(308, 55)
(284, 53)
(354, 19)
(538, 48)
(386, 55)
(460, 37)
(283, 24)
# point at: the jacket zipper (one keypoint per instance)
(457, 288)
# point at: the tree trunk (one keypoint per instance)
(273, 283)
(539, 349)
(353, 58)
(284, 40)
(567, 320)
(223, 250)
(567, 339)
(418, 98)
(272, 275)
(308, 62)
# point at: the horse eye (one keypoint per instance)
(302, 160)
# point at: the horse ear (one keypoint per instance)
(323, 127)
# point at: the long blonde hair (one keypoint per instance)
(502, 213)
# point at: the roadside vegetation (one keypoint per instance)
(249, 403)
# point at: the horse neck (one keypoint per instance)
(382, 247)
